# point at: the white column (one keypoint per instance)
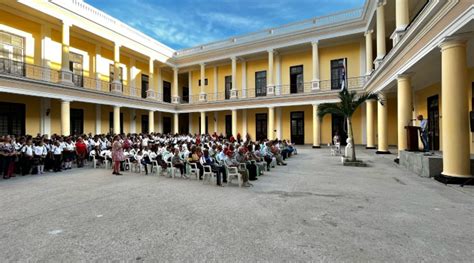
(65, 117)
(203, 123)
(159, 79)
(160, 122)
(117, 120)
(244, 79)
(279, 123)
(98, 119)
(216, 82)
(190, 87)
(277, 74)
(234, 123)
(203, 94)
(216, 121)
(316, 77)
(381, 43)
(175, 95)
(271, 123)
(316, 128)
(244, 124)
(176, 123)
(45, 116)
(191, 128)
(45, 46)
(133, 121)
(98, 61)
(369, 57)
(402, 19)
(151, 121)
(234, 93)
(150, 93)
(116, 84)
(270, 80)
(66, 74)
(132, 77)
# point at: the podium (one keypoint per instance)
(412, 138)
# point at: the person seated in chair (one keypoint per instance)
(218, 169)
(177, 162)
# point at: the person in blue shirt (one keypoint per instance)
(424, 133)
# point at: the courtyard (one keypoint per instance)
(314, 209)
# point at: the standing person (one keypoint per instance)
(8, 153)
(424, 133)
(81, 152)
(57, 151)
(117, 154)
(27, 155)
(40, 151)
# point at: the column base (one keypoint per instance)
(315, 85)
(462, 181)
(150, 94)
(202, 97)
(398, 34)
(65, 77)
(116, 87)
(270, 90)
(370, 148)
(234, 94)
(316, 147)
(383, 152)
(175, 100)
(378, 61)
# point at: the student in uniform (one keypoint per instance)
(27, 155)
(40, 152)
(57, 154)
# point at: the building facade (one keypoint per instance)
(68, 68)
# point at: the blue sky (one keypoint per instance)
(187, 23)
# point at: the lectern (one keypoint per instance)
(412, 138)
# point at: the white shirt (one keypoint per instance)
(28, 150)
(424, 125)
(57, 150)
(41, 150)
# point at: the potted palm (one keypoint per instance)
(349, 102)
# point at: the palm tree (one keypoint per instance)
(349, 102)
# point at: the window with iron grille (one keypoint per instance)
(228, 86)
(12, 54)
(76, 67)
(261, 83)
(338, 73)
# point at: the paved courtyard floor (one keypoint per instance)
(314, 209)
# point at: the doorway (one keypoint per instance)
(296, 79)
(12, 119)
(261, 126)
(145, 83)
(145, 122)
(433, 122)
(166, 125)
(228, 126)
(166, 91)
(297, 127)
(76, 122)
(183, 123)
(339, 126)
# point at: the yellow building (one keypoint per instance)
(67, 68)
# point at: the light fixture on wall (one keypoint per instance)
(47, 112)
(135, 117)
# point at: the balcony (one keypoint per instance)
(27, 71)
(327, 87)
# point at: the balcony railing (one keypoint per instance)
(325, 87)
(44, 74)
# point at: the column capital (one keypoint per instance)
(117, 44)
(202, 64)
(271, 107)
(315, 42)
(66, 100)
(175, 69)
(233, 58)
(404, 76)
(272, 51)
(66, 23)
(369, 32)
(450, 42)
(381, 3)
(316, 104)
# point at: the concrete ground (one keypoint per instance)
(314, 209)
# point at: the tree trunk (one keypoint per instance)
(351, 136)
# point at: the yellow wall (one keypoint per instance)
(296, 59)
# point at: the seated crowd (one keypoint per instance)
(36, 155)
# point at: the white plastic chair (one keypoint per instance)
(232, 173)
(94, 162)
(193, 170)
(208, 174)
(155, 167)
